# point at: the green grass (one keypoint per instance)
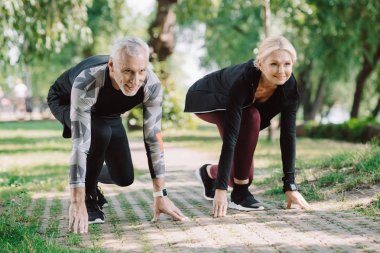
(34, 158)
(372, 210)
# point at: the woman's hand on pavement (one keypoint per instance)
(220, 203)
(297, 198)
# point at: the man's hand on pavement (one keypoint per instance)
(164, 205)
(78, 217)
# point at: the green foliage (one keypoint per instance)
(353, 130)
(233, 28)
(20, 233)
(172, 111)
(37, 28)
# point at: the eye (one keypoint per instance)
(288, 64)
(128, 71)
(142, 71)
(273, 64)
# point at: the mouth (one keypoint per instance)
(133, 87)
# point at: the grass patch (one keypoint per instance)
(31, 125)
(20, 233)
(55, 210)
(113, 219)
(133, 219)
(371, 210)
(337, 174)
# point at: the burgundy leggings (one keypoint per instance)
(242, 166)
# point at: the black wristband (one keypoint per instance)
(290, 187)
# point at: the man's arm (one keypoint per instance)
(152, 108)
(83, 95)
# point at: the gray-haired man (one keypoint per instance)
(90, 97)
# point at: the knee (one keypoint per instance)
(253, 115)
(125, 182)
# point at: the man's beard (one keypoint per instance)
(130, 93)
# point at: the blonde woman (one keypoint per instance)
(241, 100)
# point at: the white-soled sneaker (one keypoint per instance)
(248, 203)
(95, 215)
(207, 182)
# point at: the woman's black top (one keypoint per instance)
(232, 89)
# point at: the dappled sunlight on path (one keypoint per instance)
(128, 226)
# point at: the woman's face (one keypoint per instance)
(277, 67)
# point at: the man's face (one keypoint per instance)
(128, 73)
(277, 67)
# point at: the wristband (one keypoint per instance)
(290, 187)
(160, 193)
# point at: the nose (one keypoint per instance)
(133, 80)
(280, 69)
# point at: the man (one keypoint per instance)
(99, 90)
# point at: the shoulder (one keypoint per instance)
(152, 86)
(92, 76)
(151, 77)
(87, 63)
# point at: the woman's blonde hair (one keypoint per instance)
(271, 44)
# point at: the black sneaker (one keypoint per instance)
(102, 202)
(245, 203)
(95, 215)
(207, 182)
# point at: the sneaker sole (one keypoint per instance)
(198, 175)
(232, 205)
(96, 221)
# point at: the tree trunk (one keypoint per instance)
(375, 111)
(267, 17)
(319, 98)
(305, 91)
(363, 75)
(161, 30)
(267, 32)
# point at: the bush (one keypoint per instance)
(354, 130)
(172, 111)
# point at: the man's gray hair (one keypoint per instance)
(129, 45)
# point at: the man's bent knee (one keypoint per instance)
(124, 182)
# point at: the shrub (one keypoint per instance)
(354, 130)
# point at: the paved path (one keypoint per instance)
(128, 227)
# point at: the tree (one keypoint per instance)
(328, 37)
(161, 30)
(233, 28)
(33, 29)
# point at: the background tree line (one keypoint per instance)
(337, 41)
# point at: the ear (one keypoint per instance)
(110, 64)
(259, 65)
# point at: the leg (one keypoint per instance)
(203, 173)
(246, 145)
(100, 138)
(216, 118)
(104, 176)
(118, 156)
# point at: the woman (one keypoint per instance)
(241, 100)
